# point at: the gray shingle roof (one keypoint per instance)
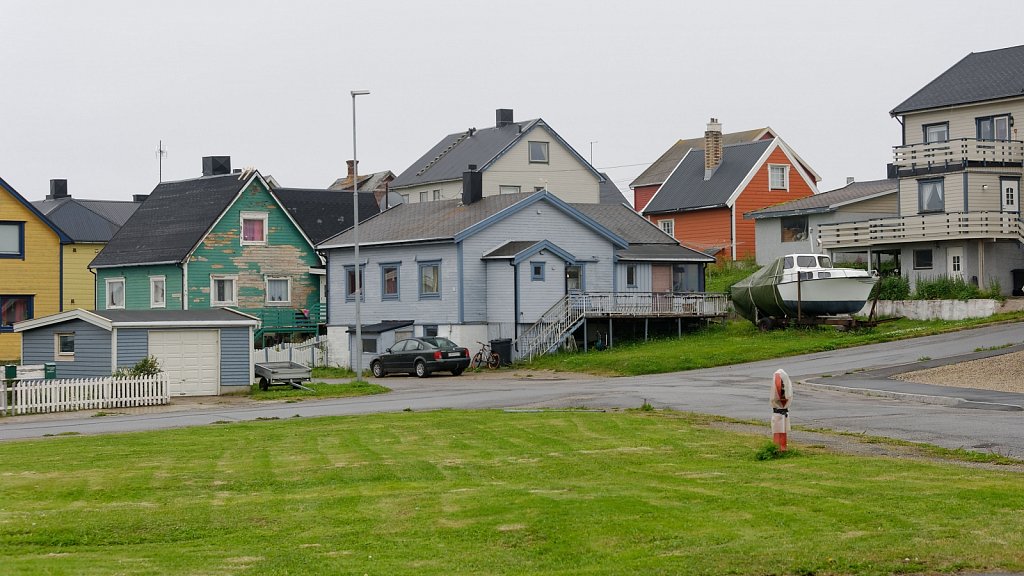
(662, 252)
(978, 77)
(827, 201)
(324, 213)
(509, 249)
(171, 221)
(87, 220)
(201, 315)
(608, 192)
(686, 188)
(657, 172)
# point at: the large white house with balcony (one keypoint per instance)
(959, 170)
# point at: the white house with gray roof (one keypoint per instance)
(485, 268)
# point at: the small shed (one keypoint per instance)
(203, 352)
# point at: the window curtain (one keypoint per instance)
(14, 309)
(932, 197)
(277, 291)
(116, 296)
(252, 230)
(430, 280)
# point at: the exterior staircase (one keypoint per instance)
(554, 325)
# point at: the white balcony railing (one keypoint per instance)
(956, 153)
(945, 226)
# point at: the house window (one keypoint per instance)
(508, 189)
(794, 229)
(778, 177)
(537, 271)
(12, 240)
(437, 194)
(423, 196)
(539, 188)
(631, 275)
(430, 330)
(538, 152)
(64, 344)
(389, 281)
(279, 291)
(430, 280)
(931, 196)
(223, 291)
(573, 278)
(993, 127)
(115, 293)
(922, 259)
(936, 132)
(157, 292)
(254, 228)
(350, 283)
(668, 227)
(14, 309)
(370, 345)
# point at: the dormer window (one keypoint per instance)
(538, 152)
(254, 228)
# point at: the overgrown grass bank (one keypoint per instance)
(740, 341)
(490, 493)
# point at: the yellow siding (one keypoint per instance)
(881, 205)
(953, 188)
(37, 275)
(79, 282)
(961, 119)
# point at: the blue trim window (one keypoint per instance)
(537, 271)
(430, 280)
(390, 276)
(12, 240)
(931, 195)
(350, 283)
(15, 309)
(630, 275)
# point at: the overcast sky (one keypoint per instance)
(89, 88)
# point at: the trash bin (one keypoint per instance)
(10, 372)
(1018, 281)
(503, 346)
(49, 371)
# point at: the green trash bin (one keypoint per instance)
(10, 372)
(49, 371)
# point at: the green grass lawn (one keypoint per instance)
(490, 493)
(738, 341)
(320, 390)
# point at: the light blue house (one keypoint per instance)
(485, 268)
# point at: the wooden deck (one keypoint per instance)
(650, 305)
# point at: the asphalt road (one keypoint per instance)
(739, 391)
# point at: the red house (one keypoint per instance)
(714, 181)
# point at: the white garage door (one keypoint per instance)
(190, 358)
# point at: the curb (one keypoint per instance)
(923, 398)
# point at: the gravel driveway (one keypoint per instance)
(1004, 373)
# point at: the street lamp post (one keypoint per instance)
(355, 238)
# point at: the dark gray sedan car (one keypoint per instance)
(421, 356)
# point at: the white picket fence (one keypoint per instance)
(312, 353)
(65, 395)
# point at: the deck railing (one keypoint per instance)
(956, 153)
(922, 227)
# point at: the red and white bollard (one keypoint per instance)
(782, 396)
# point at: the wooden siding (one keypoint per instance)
(883, 205)
(953, 189)
(700, 229)
(92, 349)
(757, 195)
(79, 282)
(643, 277)
(136, 285)
(564, 175)
(500, 291)
(235, 357)
(642, 195)
(537, 296)
(449, 190)
(285, 254)
(961, 119)
(37, 275)
(132, 345)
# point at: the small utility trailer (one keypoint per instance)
(285, 373)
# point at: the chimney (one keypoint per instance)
(712, 148)
(472, 185)
(216, 165)
(850, 180)
(139, 197)
(502, 117)
(58, 189)
(352, 167)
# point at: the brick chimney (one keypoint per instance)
(351, 168)
(712, 148)
(58, 190)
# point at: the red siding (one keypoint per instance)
(642, 195)
(757, 195)
(700, 229)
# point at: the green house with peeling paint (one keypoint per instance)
(227, 240)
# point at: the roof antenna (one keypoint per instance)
(161, 153)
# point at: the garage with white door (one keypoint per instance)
(190, 358)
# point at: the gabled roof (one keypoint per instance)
(829, 201)
(450, 157)
(519, 251)
(324, 213)
(978, 77)
(658, 172)
(171, 222)
(608, 192)
(647, 241)
(64, 238)
(108, 319)
(366, 182)
(87, 220)
(686, 188)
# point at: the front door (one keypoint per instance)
(573, 279)
(955, 262)
(1010, 194)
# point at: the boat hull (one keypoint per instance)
(826, 296)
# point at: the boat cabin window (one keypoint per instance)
(806, 262)
(824, 261)
(787, 263)
(824, 274)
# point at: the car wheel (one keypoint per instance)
(377, 369)
(457, 371)
(421, 369)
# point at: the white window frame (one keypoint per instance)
(323, 289)
(785, 176)
(152, 284)
(266, 290)
(214, 278)
(124, 293)
(508, 189)
(545, 146)
(57, 353)
(668, 226)
(437, 195)
(241, 230)
(631, 271)
(423, 195)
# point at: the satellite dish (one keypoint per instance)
(390, 200)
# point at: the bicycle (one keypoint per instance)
(493, 359)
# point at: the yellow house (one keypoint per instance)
(31, 267)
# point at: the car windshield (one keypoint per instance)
(442, 343)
